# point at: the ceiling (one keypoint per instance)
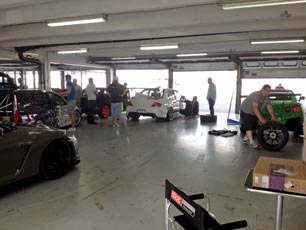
(196, 25)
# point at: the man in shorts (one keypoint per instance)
(71, 101)
(250, 113)
(116, 92)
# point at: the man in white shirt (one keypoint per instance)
(92, 101)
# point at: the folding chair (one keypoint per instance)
(194, 216)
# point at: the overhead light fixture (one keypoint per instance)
(238, 4)
(123, 58)
(77, 20)
(256, 42)
(31, 54)
(6, 59)
(281, 52)
(72, 51)
(159, 47)
(191, 55)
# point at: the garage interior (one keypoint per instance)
(119, 183)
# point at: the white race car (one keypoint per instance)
(155, 103)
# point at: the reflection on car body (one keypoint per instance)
(37, 106)
(155, 103)
(28, 150)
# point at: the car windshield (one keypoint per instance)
(56, 99)
(282, 96)
(152, 93)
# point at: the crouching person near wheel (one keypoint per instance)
(250, 113)
(191, 109)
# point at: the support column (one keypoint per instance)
(170, 76)
(46, 76)
(34, 80)
(62, 73)
(110, 73)
(238, 87)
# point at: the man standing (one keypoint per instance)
(116, 91)
(250, 113)
(21, 84)
(126, 96)
(78, 92)
(71, 102)
(211, 96)
(92, 101)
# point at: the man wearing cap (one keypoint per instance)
(116, 92)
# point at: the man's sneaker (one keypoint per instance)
(245, 141)
(71, 129)
(253, 145)
(114, 125)
(117, 125)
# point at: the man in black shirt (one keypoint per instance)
(116, 92)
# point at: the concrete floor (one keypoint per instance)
(120, 181)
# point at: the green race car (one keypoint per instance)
(288, 110)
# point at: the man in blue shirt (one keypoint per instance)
(71, 101)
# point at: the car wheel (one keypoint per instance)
(78, 117)
(170, 114)
(272, 136)
(56, 160)
(104, 111)
(135, 117)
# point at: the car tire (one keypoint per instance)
(78, 119)
(272, 136)
(208, 118)
(134, 117)
(56, 160)
(170, 114)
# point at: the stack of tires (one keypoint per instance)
(208, 118)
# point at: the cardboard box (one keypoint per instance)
(280, 174)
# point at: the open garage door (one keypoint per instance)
(195, 84)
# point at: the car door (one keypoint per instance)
(59, 105)
(13, 151)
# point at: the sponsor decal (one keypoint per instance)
(176, 198)
(181, 202)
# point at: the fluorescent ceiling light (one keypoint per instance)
(77, 20)
(123, 58)
(256, 42)
(159, 47)
(72, 51)
(191, 55)
(5, 59)
(31, 54)
(237, 4)
(281, 52)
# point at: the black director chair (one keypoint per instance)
(194, 216)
